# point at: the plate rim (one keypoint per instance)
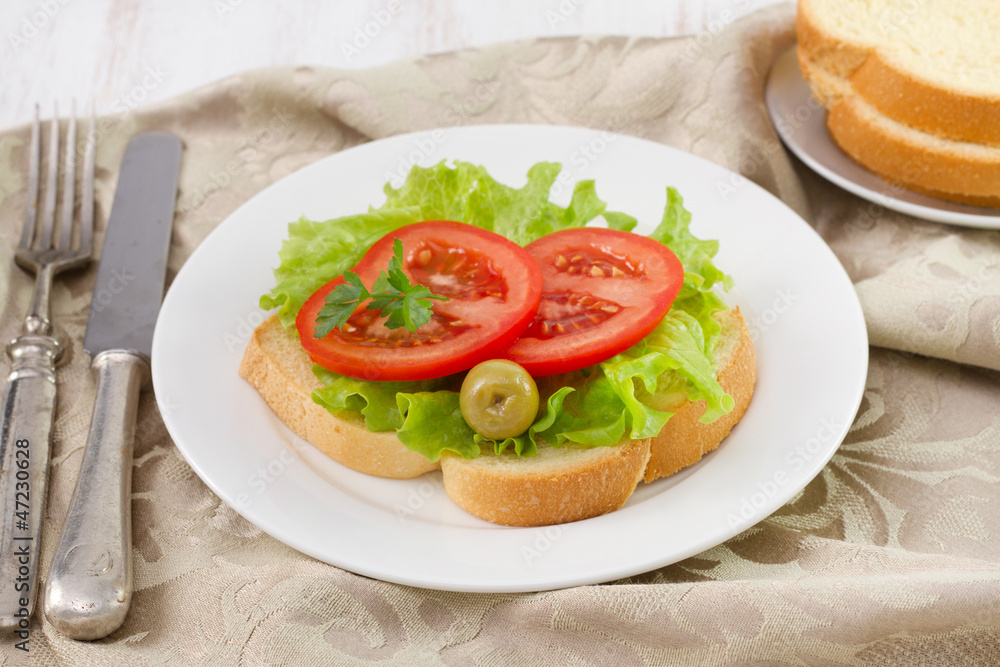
(627, 568)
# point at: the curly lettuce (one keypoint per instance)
(626, 396)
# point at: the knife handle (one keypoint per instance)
(89, 587)
(25, 435)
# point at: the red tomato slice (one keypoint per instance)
(493, 286)
(603, 291)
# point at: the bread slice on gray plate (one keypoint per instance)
(913, 89)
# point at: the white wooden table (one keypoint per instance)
(121, 54)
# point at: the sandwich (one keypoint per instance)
(911, 89)
(545, 359)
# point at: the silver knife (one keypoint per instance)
(89, 586)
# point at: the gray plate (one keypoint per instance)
(801, 123)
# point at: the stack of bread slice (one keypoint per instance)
(912, 88)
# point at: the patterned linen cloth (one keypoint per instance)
(890, 556)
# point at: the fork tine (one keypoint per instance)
(49, 212)
(69, 183)
(31, 206)
(87, 188)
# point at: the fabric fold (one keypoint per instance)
(943, 302)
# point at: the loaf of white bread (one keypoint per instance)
(557, 485)
(912, 88)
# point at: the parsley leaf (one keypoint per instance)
(392, 295)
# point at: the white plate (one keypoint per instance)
(801, 123)
(810, 337)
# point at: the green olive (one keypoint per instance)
(499, 399)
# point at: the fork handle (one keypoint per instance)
(25, 435)
(89, 586)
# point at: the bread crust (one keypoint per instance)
(555, 486)
(281, 372)
(908, 99)
(684, 440)
(827, 88)
(950, 170)
(837, 56)
(900, 94)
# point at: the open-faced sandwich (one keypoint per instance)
(546, 359)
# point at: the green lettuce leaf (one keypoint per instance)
(375, 400)
(317, 252)
(467, 193)
(630, 395)
(434, 423)
(695, 254)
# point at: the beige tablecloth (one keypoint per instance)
(890, 556)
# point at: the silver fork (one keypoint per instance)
(28, 404)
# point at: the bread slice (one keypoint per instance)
(933, 65)
(954, 170)
(281, 372)
(958, 171)
(558, 485)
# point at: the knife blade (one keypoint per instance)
(89, 587)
